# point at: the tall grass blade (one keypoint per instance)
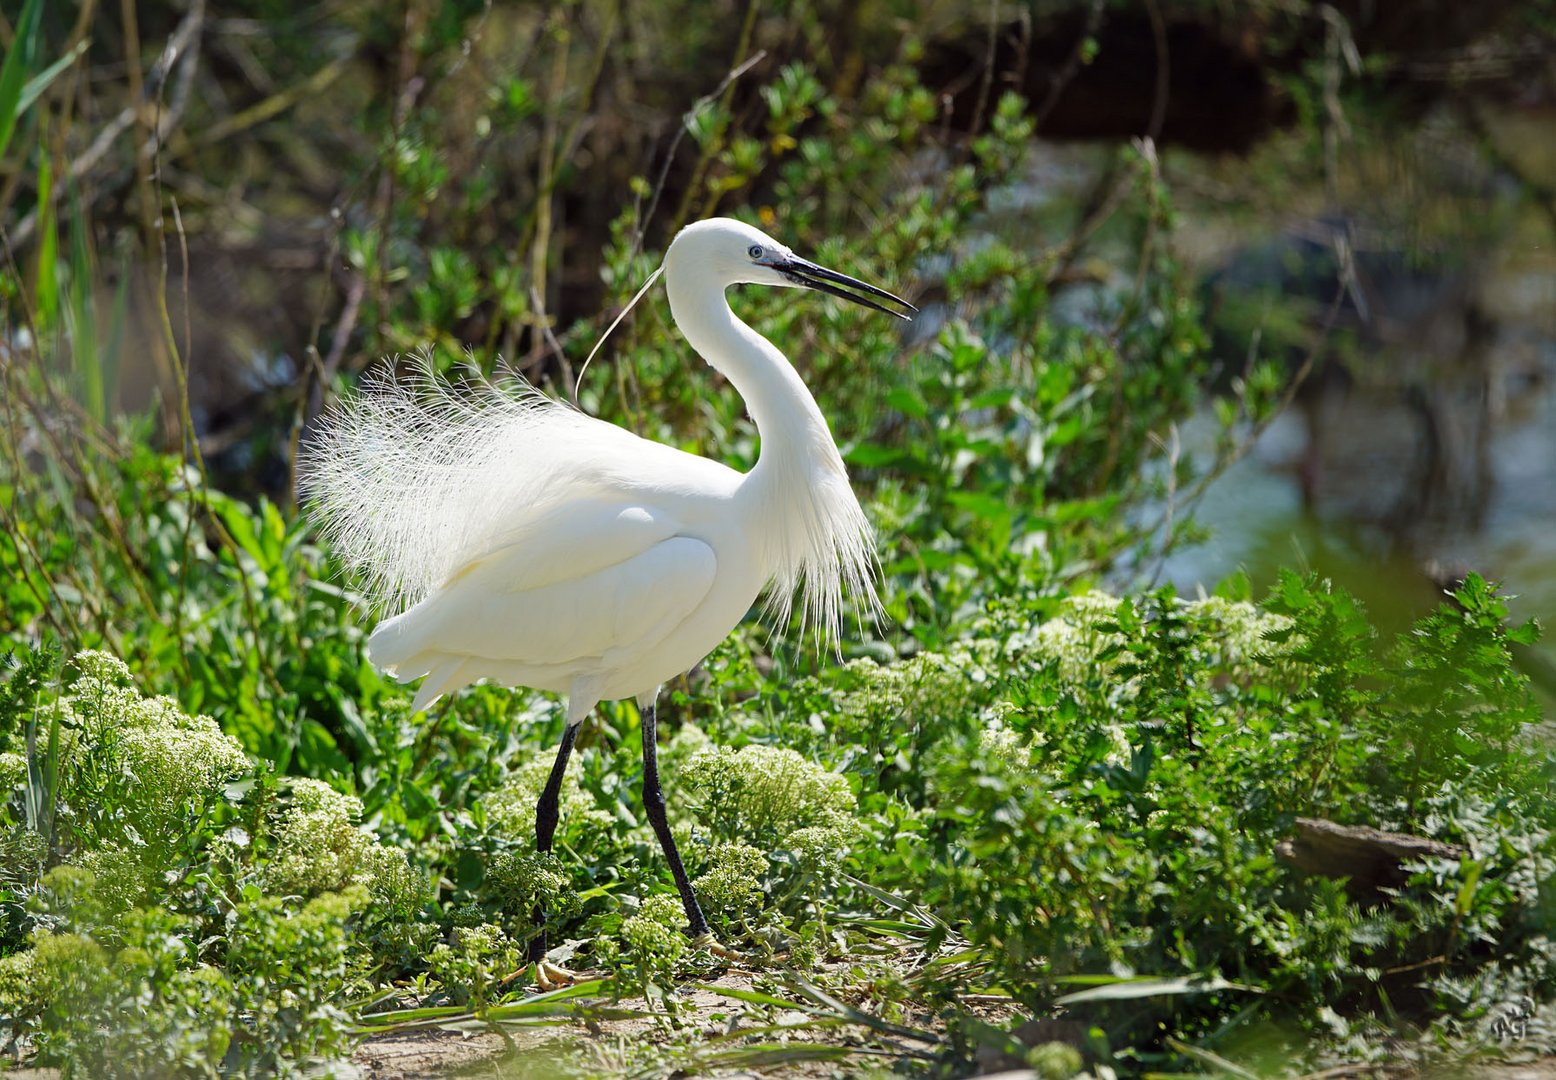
(1223, 1066)
(14, 70)
(46, 284)
(769, 1055)
(51, 778)
(40, 82)
(857, 1016)
(42, 776)
(81, 317)
(113, 348)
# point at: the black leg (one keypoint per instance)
(654, 804)
(545, 829)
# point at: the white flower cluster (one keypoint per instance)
(777, 792)
(320, 848)
(174, 761)
(655, 931)
(1241, 631)
(733, 881)
(927, 685)
(1075, 640)
(476, 963)
(510, 810)
(13, 772)
(1234, 639)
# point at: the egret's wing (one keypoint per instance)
(564, 542)
(412, 481)
(574, 599)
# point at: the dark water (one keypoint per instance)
(1259, 521)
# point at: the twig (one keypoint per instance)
(643, 218)
(1202, 483)
(410, 87)
(556, 350)
(710, 151)
(340, 337)
(1147, 148)
(1072, 64)
(1173, 453)
(1338, 44)
(1017, 75)
(272, 106)
(138, 92)
(182, 41)
(186, 433)
(556, 153)
(1153, 130)
(986, 80)
(1419, 965)
(1103, 204)
(540, 243)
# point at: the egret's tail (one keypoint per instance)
(390, 649)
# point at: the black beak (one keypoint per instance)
(804, 272)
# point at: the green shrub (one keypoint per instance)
(1138, 835)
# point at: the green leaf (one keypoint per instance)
(416, 802)
(754, 997)
(385, 1021)
(1465, 898)
(1525, 634)
(81, 317)
(871, 456)
(908, 402)
(1127, 989)
(545, 1004)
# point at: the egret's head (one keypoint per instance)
(734, 253)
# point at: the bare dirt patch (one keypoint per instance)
(416, 1055)
(706, 1038)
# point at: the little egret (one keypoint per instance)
(527, 543)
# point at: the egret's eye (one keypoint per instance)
(755, 251)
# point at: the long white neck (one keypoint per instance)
(812, 534)
(795, 436)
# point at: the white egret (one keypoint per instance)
(527, 543)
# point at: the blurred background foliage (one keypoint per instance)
(1206, 288)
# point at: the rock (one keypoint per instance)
(1370, 859)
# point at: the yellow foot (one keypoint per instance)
(549, 976)
(709, 943)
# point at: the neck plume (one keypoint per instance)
(814, 536)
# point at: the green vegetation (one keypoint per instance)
(227, 848)
(1076, 804)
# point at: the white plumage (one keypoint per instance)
(518, 540)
